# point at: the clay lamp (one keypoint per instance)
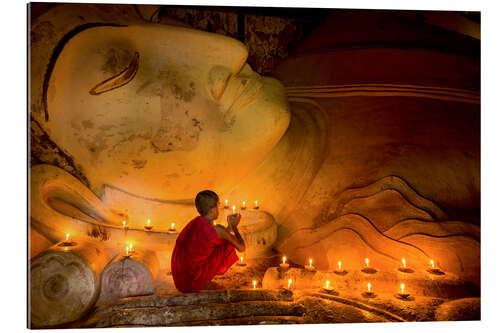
(67, 242)
(256, 205)
(289, 284)
(339, 269)
(367, 269)
(328, 288)
(434, 269)
(402, 293)
(131, 249)
(241, 263)
(310, 267)
(284, 265)
(243, 206)
(127, 252)
(234, 209)
(226, 205)
(369, 293)
(254, 284)
(124, 224)
(404, 268)
(148, 225)
(172, 227)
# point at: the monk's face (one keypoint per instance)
(162, 111)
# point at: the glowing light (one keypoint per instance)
(131, 247)
(367, 261)
(254, 284)
(432, 263)
(404, 262)
(241, 259)
(284, 260)
(402, 288)
(243, 205)
(172, 226)
(310, 262)
(369, 287)
(124, 223)
(226, 203)
(234, 209)
(289, 283)
(327, 284)
(67, 237)
(126, 250)
(340, 265)
(149, 222)
(256, 203)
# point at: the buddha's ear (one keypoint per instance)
(118, 80)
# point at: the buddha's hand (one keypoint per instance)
(233, 220)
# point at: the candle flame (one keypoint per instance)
(254, 284)
(226, 202)
(256, 203)
(172, 226)
(67, 237)
(149, 222)
(404, 262)
(243, 203)
(369, 286)
(126, 250)
(367, 261)
(215, 223)
(310, 262)
(284, 259)
(234, 209)
(402, 288)
(124, 222)
(340, 265)
(432, 263)
(130, 247)
(241, 259)
(289, 283)
(327, 284)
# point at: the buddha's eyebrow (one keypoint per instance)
(55, 54)
(118, 80)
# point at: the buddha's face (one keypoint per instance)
(162, 112)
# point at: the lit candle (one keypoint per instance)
(310, 263)
(327, 284)
(284, 260)
(172, 226)
(289, 283)
(148, 225)
(234, 209)
(243, 206)
(284, 265)
(126, 251)
(404, 262)
(241, 259)
(256, 204)
(340, 265)
(149, 222)
(131, 248)
(226, 204)
(402, 288)
(254, 284)
(432, 264)
(367, 261)
(124, 223)
(67, 237)
(215, 223)
(369, 286)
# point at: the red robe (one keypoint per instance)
(199, 255)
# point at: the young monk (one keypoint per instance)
(203, 250)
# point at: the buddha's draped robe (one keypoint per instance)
(199, 255)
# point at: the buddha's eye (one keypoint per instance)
(118, 80)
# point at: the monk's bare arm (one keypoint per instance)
(236, 240)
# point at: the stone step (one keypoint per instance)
(178, 299)
(183, 314)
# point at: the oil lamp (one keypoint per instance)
(404, 268)
(240, 262)
(433, 269)
(289, 283)
(243, 206)
(226, 204)
(339, 269)
(284, 265)
(148, 225)
(310, 267)
(256, 205)
(254, 284)
(67, 242)
(172, 227)
(328, 288)
(369, 292)
(367, 269)
(234, 209)
(402, 293)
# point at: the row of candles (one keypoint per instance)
(149, 226)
